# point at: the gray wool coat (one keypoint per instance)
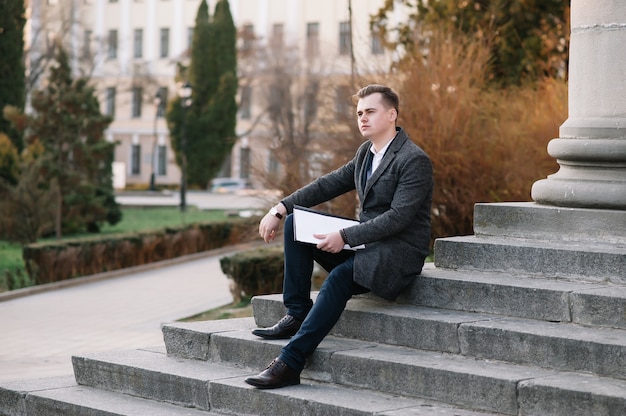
(395, 207)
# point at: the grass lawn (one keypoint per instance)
(11, 254)
(137, 219)
(133, 219)
(242, 309)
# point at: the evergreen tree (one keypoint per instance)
(528, 37)
(77, 158)
(223, 105)
(9, 160)
(12, 81)
(202, 67)
(225, 39)
(209, 125)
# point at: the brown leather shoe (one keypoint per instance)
(277, 374)
(285, 328)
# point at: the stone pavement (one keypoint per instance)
(42, 327)
(42, 331)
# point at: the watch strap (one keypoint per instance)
(274, 212)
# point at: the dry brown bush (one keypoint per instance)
(486, 144)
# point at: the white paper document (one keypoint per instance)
(307, 222)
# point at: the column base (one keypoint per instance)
(580, 194)
(592, 170)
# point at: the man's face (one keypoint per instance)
(375, 121)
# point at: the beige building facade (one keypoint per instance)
(131, 49)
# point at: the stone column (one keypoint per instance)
(591, 149)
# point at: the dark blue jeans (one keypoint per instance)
(319, 318)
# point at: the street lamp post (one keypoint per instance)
(158, 102)
(184, 92)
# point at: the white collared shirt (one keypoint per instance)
(378, 156)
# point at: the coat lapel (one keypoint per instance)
(390, 154)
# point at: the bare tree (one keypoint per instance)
(51, 27)
(305, 118)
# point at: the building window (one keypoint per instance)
(277, 40)
(273, 165)
(137, 101)
(138, 43)
(310, 100)
(110, 101)
(52, 2)
(189, 37)
(112, 51)
(135, 159)
(312, 39)
(245, 105)
(162, 160)
(244, 162)
(165, 42)
(344, 38)
(248, 38)
(377, 43)
(343, 104)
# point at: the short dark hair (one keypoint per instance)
(390, 98)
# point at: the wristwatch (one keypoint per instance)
(275, 213)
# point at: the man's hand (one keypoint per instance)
(332, 242)
(269, 225)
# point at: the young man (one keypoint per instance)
(393, 180)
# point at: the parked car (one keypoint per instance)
(229, 185)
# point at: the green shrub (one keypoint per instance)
(66, 259)
(14, 279)
(9, 160)
(255, 272)
(260, 271)
(12, 273)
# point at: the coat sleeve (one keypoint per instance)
(325, 188)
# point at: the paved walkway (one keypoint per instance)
(40, 332)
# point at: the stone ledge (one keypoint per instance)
(532, 220)
(579, 261)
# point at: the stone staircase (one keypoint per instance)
(463, 340)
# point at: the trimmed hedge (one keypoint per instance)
(260, 271)
(255, 272)
(56, 261)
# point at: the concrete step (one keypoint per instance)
(545, 222)
(457, 343)
(63, 397)
(479, 384)
(324, 399)
(220, 388)
(553, 300)
(561, 346)
(584, 261)
(567, 347)
(152, 374)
